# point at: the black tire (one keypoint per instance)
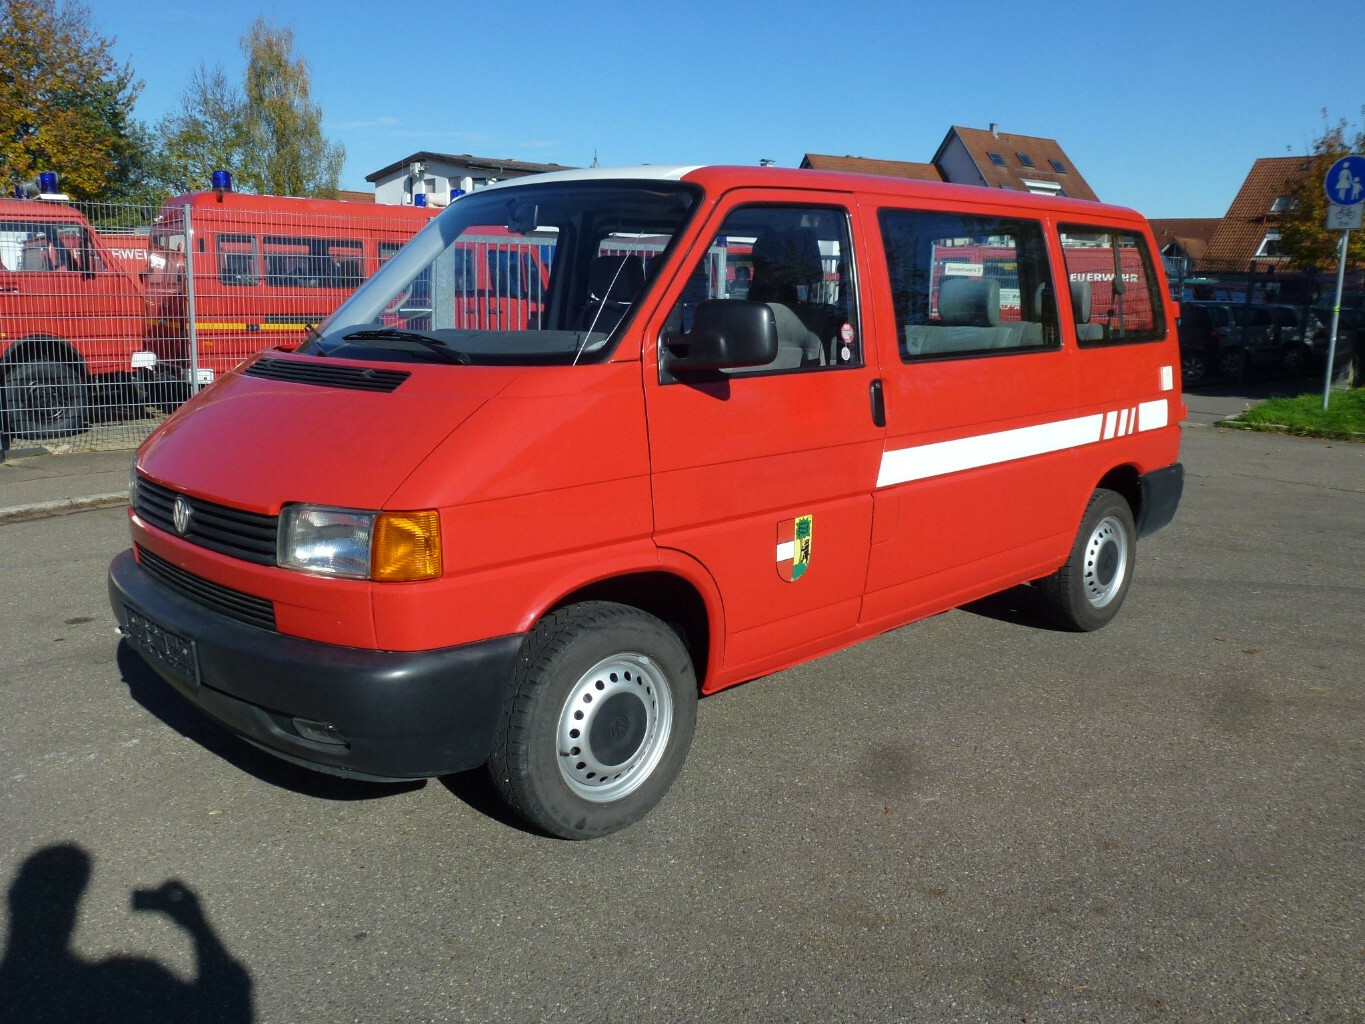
(597, 686)
(1292, 359)
(1232, 363)
(1088, 590)
(44, 399)
(1194, 368)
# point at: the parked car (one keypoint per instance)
(1275, 338)
(1208, 347)
(1232, 339)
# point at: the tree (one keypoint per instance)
(65, 103)
(1303, 228)
(287, 152)
(268, 132)
(207, 134)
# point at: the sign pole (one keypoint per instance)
(1345, 188)
(1336, 318)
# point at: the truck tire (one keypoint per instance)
(1087, 591)
(44, 399)
(601, 715)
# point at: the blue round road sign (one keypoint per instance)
(1345, 182)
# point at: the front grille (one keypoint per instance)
(254, 611)
(249, 536)
(327, 375)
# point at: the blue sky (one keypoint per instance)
(1162, 106)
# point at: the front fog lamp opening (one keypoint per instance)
(320, 732)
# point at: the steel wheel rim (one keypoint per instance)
(618, 697)
(1106, 561)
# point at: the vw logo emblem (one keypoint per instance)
(180, 515)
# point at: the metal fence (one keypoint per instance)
(111, 317)
(1270, 324)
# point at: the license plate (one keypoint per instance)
(159, 644)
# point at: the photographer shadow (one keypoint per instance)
(43, 980)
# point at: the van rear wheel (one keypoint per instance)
(1087, 591)
(601, 716)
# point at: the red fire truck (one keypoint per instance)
(71, 316)
(264, 268)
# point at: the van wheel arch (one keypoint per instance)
(668, 597)
(1124, 481)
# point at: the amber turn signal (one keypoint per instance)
(406, 547)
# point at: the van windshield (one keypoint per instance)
(527, 274)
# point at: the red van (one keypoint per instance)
(410, 548)
(71, 317)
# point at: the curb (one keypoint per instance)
(61, 506)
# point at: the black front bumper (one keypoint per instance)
(394, 715)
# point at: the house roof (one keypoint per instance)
(866, 165)
(1248, 219)
(500, 166)
(1192, 234)
(1016, 152)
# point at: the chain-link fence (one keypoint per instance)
(111, 317)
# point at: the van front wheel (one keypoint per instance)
(600, 719)
(1087, 591)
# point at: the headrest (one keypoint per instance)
(1080, 301)
(969, 301)
(791, 257)
(616, 278)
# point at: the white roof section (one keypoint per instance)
(646, 172)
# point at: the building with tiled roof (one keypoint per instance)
(865, 165)
(996, 159)
(440, 177)
(1184, 240)
(971, 156)
(1249, 231)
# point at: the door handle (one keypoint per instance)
(878, 403)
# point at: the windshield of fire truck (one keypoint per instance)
(525, 274)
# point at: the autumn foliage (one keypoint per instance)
(65, 102)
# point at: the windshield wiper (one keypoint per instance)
(433, 345)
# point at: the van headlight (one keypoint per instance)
(391, 547)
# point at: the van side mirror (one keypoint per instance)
(726, 334)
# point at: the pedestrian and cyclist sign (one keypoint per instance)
(1345, 181)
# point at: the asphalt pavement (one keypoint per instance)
(972, 818)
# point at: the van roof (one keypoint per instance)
(288, 204)
(722, 178)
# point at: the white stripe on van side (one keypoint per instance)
(1153, 415)
(786, 551)
(943, 457)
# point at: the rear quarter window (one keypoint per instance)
(1114, 298)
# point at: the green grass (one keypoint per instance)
(1343, 420)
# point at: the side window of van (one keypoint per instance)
(1113, 289)
(312, 262)
(237, 260)
(798, 260)
(968, 284)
